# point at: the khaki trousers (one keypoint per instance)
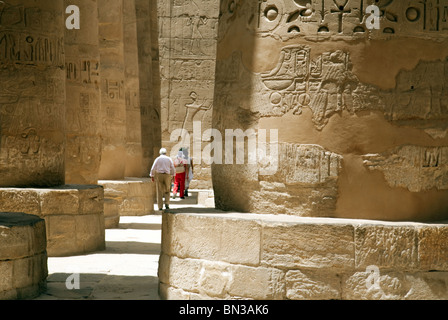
(163, 183)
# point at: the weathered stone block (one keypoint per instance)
(90, 233)
(23, 256)
(364, 285)
(111, 215)
(6, 275)
(23, 272)
(181, 273)
(19, 200)
(215, 278)
(313, 285)
(308, 245)
(428, 286)
(234, 248)
(91, 200)
(167, 292)
(134, 196)
(395, 286)
(61, 207)
(59, 202)
(301, 258)
(61, 234)
(386, 246)
(193, 236)
(204, 237)
(432, 248)
(21, 235)
(257, 283)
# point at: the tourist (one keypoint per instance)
(180, 163)
(162, 172)
(189, 171)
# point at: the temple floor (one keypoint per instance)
(126, 270)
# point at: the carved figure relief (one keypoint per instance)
(326, 85)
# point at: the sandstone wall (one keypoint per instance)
(361, 115)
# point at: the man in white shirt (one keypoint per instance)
(162, 172)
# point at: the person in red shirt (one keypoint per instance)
(180, 164)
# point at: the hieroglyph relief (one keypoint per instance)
(20, 47)
(326, 85)
(339, 18)
(308, 164)
(32, 94)
(413, 167)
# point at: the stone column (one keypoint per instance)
(134, 165)
(32, 93)
(149, 81)
(83, 103)
(33, 124)
(123, 173)
(360, 115)
(113, 98)
(187, 38)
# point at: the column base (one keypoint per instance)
(134, 196)
(23, 256)
(73, 214)
(211, 254)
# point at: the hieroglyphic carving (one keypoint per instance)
(308, 164)
(83, 71)
(326, 85)
(27, 37)
(30, 49)
(342, 18)
(306, 181)
(413, 167)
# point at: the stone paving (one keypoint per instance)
(126, 270)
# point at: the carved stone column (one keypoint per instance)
(113, 98)
(149, 81)
(361, 115)
(32, 93)
(83, 103)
